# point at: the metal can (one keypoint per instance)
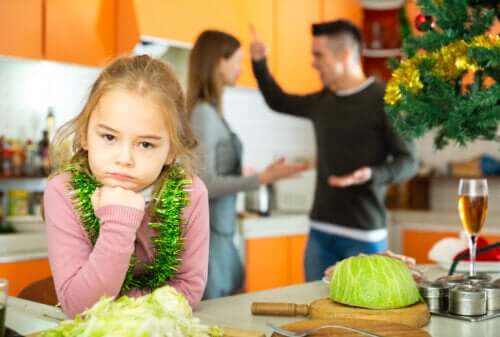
(18, 202)
(480, 278)
(467, 300)
(456, 282)
(492, 296)
(435, 294)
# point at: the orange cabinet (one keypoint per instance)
(184, 20)
(418, 242)
(346, 10)
(274, 262)
(22, 273)
(21, 28)
(292, 46)
(80, 31)
(261, 14)
(90, 32)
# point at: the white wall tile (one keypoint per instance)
(29, 87)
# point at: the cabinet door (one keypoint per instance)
(417, 243)
(347, 10)
(80, 31)
(184, 20)
(292, 47)
(266, 263)
(297, 249)
(21, 28)
(127, 26)
(260, 13)
(21, 274)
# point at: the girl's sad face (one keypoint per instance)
(127, 140)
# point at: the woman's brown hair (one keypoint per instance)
(204, 83)
(141, 75)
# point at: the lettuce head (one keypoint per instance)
(165, 312)
(374, 282)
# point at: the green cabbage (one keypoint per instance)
(374, 281)
(165, 312)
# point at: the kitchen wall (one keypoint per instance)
(266, 135)
(439, 159)
(29, 87)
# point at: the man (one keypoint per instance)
(358, 152)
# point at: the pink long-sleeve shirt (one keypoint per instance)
(84, 273)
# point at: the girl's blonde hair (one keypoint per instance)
(141, 75)
(203, 82)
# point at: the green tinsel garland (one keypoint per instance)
(165, 219)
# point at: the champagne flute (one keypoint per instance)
(472, 207)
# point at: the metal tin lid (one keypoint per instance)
(478, 279)
(456, 282)
(492, 289)
(467, 293)
(434, 289)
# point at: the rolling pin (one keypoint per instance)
(416, 315)
(279, 309)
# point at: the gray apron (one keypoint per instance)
(225, 269)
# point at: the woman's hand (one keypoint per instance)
(107, 195)
(279, 169)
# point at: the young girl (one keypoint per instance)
(125, 215)
(215, 62)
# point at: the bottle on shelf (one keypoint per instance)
(1, 155)
(43, 152)
(7, 159)
(33, 161)
(50, 123)
(18, 157)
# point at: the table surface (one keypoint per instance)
(234, 311)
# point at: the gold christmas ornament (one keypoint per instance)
(449, 62)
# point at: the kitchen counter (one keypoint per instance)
(234, 311)
(277, 224)
(16, 247)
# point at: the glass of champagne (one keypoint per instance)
(473, 207)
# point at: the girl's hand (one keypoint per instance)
(107, 195)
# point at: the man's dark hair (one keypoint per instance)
(337, 27)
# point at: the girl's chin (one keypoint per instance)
(128, 185)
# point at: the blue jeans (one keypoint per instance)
(324, 249)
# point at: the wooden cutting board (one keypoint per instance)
(385, 329)
(416, 315)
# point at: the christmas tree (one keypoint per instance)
(449, 78)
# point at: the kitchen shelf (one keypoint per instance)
(382, 52)
(4, 178)
(23, 183)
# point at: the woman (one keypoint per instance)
(215, 62)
